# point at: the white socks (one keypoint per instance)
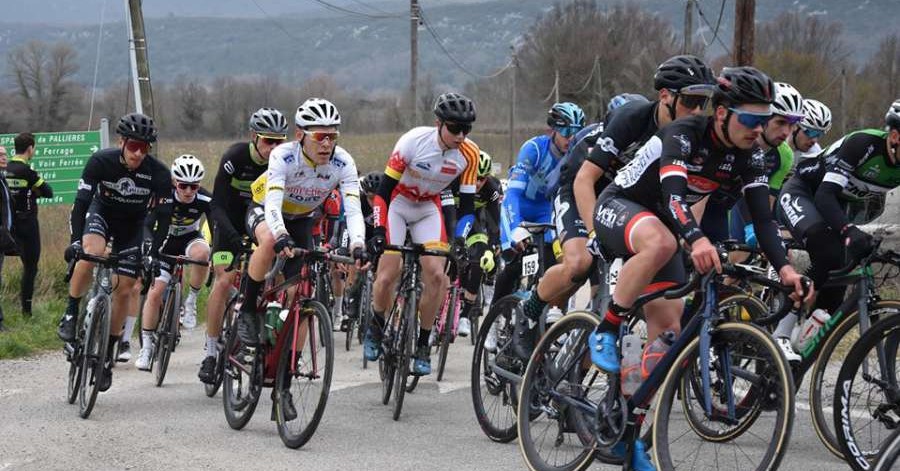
(212, 346)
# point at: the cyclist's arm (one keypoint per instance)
(275, 180)
(448, 208)
(585, 195)
(837, 176)
(41, 188)
(515, 191)
(467, 183)
(673, 180)
(87, 185)
(219, 205)
(157, 222)
(353, 215)
(392, 174)
(756, 194)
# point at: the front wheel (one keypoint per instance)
(303, 378)
(221, 354)
(241, 383)
(406, 341)
(744, 363)
(93, 358)
(166, 334)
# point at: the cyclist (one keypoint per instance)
(241, 164)
(683, 85)
(816, 123)
(425, 160)
(368, 185)
(116, 188)
(479, 243)
(527, 197)
(329, 231)
(861, 165)
(26, 186)
(301, 175)
(189, 203)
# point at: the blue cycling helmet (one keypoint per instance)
(623, 98)
(565, 116)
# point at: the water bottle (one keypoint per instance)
(554, 314)
(811, 327)
(655, 351)
(631, 364)
(273, 310)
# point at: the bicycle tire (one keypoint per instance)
(227, 319)
(447, 335)
(320, 343)
(240, 388)
(94, 356)
(73, 382)
(861, 444)
(166, 332)
(407, 341)
(486, 383)
(351, 326)
(890, 457)
(726, 339)
(819, 388)
(387, 362)
(536, 402)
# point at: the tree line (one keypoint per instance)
(580, 51)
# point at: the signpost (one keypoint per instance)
(60, 157)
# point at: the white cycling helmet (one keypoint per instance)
(788, 101)
(188, 169)
(317, 112)
(816, 116)
(892, 117)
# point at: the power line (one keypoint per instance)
(340, 9)
(275, 22)
(373, 8)
(97, 63)
(716, 29)
(440, 43)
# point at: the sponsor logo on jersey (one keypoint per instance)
(229, 167)
(83, 186)
(144, 176)
(424, 166)
(126, 187)
(684, 142)
(700, 184)
(448, 170)
(607, 145)
(792, 209)
(607, 216)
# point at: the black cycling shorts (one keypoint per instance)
(300, 229)
(614, 221)
(126, 236)
(796, 209)
(568, 222)
(175, 246)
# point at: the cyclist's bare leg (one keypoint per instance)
(435, 285)
(557, 284)
(386, 279)
(150, 314)
(663, 315)
(654, 246)
(80, 282)
(218, 295)
(122, 300)
(198, 251)
(261, 259)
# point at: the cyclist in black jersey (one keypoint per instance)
(117, 188)
(188, 204)
(647, 207)
(241, 165)
(683, 84)
(863, 164)
(26, 186)
(479, 243)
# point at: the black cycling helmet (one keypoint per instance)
(370, 183)
(455, 108)
(682, 71)
(743, 85)
(138, 127)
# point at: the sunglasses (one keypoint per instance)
(567, 131)
(137, 146)
(322, 136)
(185, 186)
(751, 120)
(692, 101)
(813, 133)
(456, 128)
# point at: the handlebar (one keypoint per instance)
(852, 264)
(418, 249)
(181, 259)
(318, 253)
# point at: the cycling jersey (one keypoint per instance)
(526, 197)
(684, 163)
(626, 130)
(329, 217)
(562, 177)
(239, 167)
(110, 188)
(293, 187)
(25, 187)
(778, 164)
(856, 167)
(185, 216)
(487, 205)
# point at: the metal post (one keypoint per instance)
(688, 27)
(140, 61)
(512, 109)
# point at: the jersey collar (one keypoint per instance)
(254, 155)
(18, 158)
(179, 200)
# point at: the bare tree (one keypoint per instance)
(192, 98)
(42, 75)
(876, 86)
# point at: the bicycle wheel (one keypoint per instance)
(559, 384)
(891, 454)
(166, 333)
(93, 357)
(494, 397)
(73, 382)
(387, 363)
(406, 341)
(447, 335)
(867, 394)
(221, 356)
(303, 377)
(733, 346)
(822, 381)
(241, 384)
(351, 326)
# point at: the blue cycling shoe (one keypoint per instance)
(603, 351)
(372, 344)
(422, 363)
(640, 459)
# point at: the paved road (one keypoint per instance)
(138, 426)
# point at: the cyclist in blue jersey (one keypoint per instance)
(527, 197)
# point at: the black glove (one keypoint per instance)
(459, 250)
(71, 250)
(858, 243)
(360, 254)
(151, 267)
(377, 242)
(235, 243)
(284, 241)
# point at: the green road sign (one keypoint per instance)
(59, 158)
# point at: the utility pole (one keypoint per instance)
(556, 87)
(688, 27)
(414, 58)
(744, 13)
(140, 62)
(843, 101)
(512, 107)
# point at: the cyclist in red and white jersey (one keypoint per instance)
(424, 162)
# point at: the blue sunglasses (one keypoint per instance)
(567, 131)
(813, 133)
(751, 120)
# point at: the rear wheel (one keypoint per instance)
(447, 335)
(303, 378)
(93, 358)
(241, 383)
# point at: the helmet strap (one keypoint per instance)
(766, 140)
(724, 129)
(671, 108)
(441, 139)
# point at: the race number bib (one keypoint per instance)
(530, 264)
